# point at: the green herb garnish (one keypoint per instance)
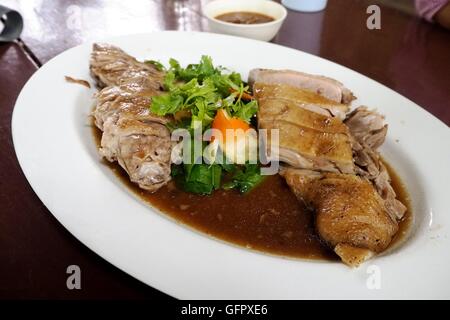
(198, 178)
(202, 89)
(245, 179)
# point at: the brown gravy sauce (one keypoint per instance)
(267, 219)
(243, 17)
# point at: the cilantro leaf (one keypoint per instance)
(246, 179)
(166, 104)
(247, 111)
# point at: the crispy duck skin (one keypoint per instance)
(326, 87)
(285, 110)
(350, 215)
(302, 98)
(132, 135)
(310, 149)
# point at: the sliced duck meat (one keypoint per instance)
(384, 187)
(350, 216)
(335, 168)
(326, 87)
(307, 139)
(134, 137)
(302, 98)
(310, 149)
(367, 127)
(286, 110)
(368, 132)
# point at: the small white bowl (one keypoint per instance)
(260, 31)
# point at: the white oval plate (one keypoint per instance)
(57, 153)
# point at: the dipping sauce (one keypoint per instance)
(269, 218)
(242, 17)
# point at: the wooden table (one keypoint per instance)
(407, 55)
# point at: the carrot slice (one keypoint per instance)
(236, 137)
(223, 122)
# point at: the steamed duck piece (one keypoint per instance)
(111, 66)
(128, 85)
(308, 138)
(302, 98)
(114, 102)
(325, 87)
(142, 149)
(368, 132)
(350, 216)
(132, 135)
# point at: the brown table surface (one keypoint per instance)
(407, 55)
